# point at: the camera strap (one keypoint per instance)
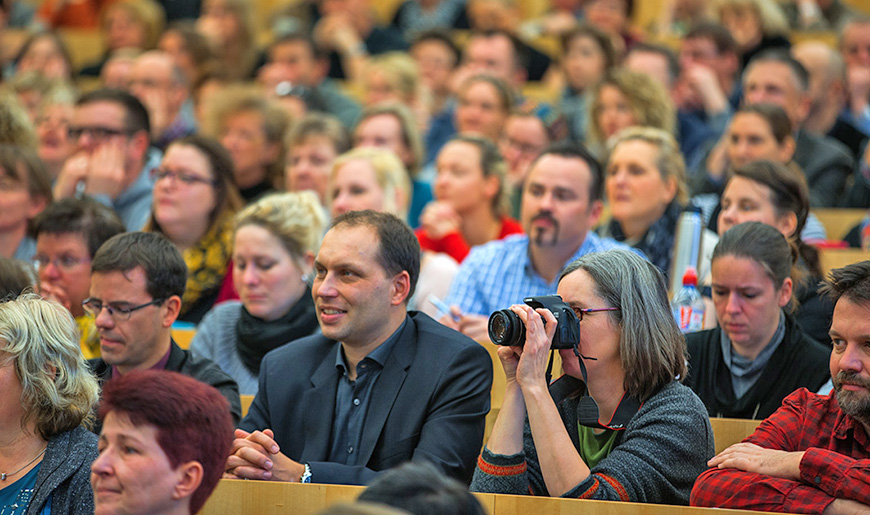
(588, 412)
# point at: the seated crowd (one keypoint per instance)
(331, 218)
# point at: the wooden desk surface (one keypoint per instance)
(266, 498)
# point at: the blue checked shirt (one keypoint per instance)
(500, 273)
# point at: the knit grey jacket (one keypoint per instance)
(65, 474)
(655, 459)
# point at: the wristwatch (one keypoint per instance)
(306, 474)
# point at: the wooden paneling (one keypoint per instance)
(728, 431)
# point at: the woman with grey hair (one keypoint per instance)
(619, 425)
(48, 393)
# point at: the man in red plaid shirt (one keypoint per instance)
(813, 454)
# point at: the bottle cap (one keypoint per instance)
(690, 277)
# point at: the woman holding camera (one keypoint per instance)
(651, 436)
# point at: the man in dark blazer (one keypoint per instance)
(137, 281)
(379, 387)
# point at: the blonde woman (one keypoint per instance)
(46, 449)
(625, 99)
(273, 251)
(645, 184)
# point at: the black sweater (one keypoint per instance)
(798, 362)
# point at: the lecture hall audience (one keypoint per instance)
(465, 127)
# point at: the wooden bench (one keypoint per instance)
(838, 222)
(235, 497)
(838, 258)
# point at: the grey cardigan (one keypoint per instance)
(65, 474)
(655, 459)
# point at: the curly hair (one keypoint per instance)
(649, 102)
(296, 219)
(41, 338)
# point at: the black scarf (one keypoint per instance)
(658, 242)
(255, 337)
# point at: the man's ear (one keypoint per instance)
(189, 478)
(173, 308)
(400, 288)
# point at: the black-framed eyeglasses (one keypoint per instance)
(97, 133)
(116, 311)
(580, 312)
(183, 177)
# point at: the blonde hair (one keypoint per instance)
(770, 14)
(237, 99)
(41, 338)
(399, 70)
(649, 101)
(669, 160)
(390, 175)
(296, 219)
(147, 13)
(15, 126)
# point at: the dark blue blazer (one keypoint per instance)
(429, 403)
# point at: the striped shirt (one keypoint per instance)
(500, 273)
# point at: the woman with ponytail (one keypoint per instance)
(758, 355)
(777, 195)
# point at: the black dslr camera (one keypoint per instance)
(506, 328)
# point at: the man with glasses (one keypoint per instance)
(137, 281)
(68, 234)
(111, 131)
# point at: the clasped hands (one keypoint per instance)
(257, 456)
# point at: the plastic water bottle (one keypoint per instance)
(687, 246)
(688, 305)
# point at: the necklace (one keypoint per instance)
(3, 475)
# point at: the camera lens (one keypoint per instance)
(506, 328)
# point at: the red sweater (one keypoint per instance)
(455, 246)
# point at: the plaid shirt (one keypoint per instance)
(836, 463)
(500, 273)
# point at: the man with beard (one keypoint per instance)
(561, 204)
(813, 454)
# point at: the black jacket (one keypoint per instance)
(183, 361)
(798, 362)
